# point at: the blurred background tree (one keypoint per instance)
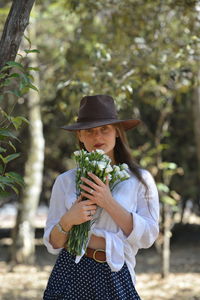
(15, 80)
(146, 55)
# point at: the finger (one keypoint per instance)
(107, 181)
(92, 184)
(78, 199)
(88, 196)
(91, 213)
(88, 202)
(87, 189)
(96, 179)
(90, 207)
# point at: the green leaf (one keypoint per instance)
(24, 90)
(24, 82)
(33, 69)
(5, 180)
(32, 51)
(3, 75)
(31, 77)
(14, 75)
(16, 177)
(169, 200)
(2, 158)
(31, 86)
(8, 133)
(4, 114)
(5, 68)
(14, 189)
(2, 149)
(13, 147)
(17, 121)
(11, 157)
(15, 64)
(168, 165)
(2, 187)
(24, 119)
(162, 187)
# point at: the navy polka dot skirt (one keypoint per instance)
(88, 280)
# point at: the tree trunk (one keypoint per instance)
(196, 114)
(166, 240)
(23, 248)
(166, 221)
(16, 23)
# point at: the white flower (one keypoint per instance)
(108, 169)
(124, 175)
(124, 166)
(109, 177)
(93, 163)
(77, 153)
(99, 151)
(116, 169)
(101, 165)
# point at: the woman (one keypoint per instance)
(128, 221)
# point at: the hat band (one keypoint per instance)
(96, 119)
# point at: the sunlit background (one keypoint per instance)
(146, 55)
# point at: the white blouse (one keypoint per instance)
(132, 195)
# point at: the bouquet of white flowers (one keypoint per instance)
(99, 164)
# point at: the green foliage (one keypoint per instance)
(163, 171)
(145, 54)
(15, 82)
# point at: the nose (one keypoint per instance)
(97, 133)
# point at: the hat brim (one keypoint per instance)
(127, 124)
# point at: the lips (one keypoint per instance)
(98, 145)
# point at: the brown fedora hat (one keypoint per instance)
(98, 110)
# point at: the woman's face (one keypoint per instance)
(103, 137)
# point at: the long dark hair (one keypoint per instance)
(122, 154)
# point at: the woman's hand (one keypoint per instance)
(80, 212)
(98, 192)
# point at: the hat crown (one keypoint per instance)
(96, 111)
(97, 107)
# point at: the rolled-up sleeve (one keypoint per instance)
(57, 209)
(146, 217)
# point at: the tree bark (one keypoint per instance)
(23, 248)
(196, 114)
(167, 221)
(16, 23)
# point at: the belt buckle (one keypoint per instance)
(94, 255)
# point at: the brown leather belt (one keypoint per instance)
(98, 255)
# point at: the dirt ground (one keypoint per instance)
(183, 283)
